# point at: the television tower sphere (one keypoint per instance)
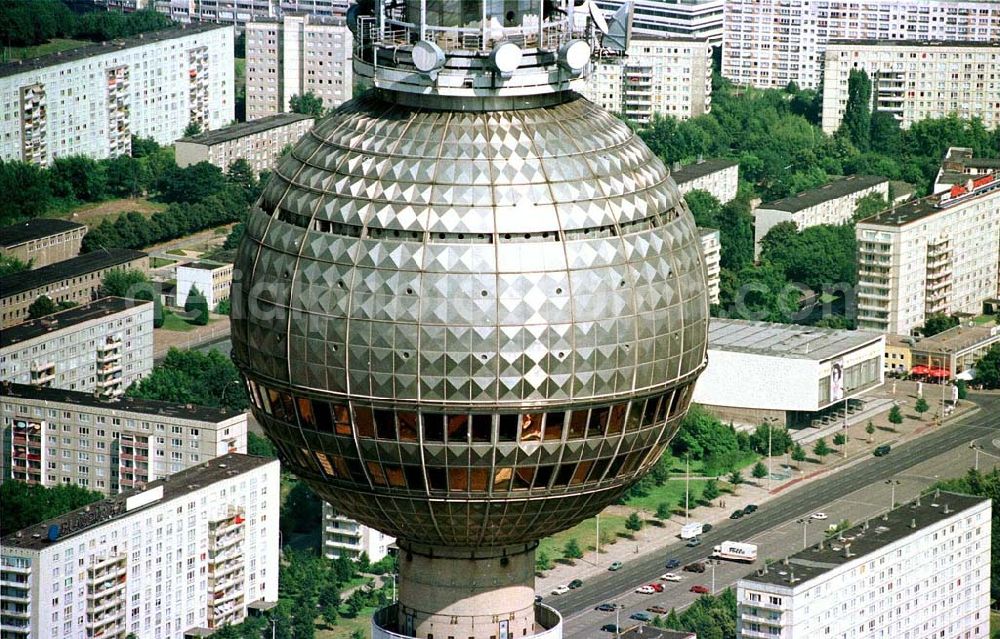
(470, 305)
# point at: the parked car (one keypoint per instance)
(656, 587)
(749, 508)
(693, 542)
(576, 583)
(610, 627)
(615, 565)
(705, 528)
(645, 590)
(560, 590)
(606, 607)
(698, 588)
(658, 610)
(670, 576)
(641, 616)
(819, 516)
(883, 450)
(673, 563)
(538, 599)
(737, 514)
(695, 567)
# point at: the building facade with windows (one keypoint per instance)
(939, 254)
(345, 537)
(259, 142)
(915, 80)
(181, 558)
(53, 436)
(658, 76)
(769, 43)
(91, 101)
(98, 348)
(920, 570)
(212, 279)
(42, 241)
(712, 248)
(674, 18)
(717, 177)
(295, 55)
(239, 13)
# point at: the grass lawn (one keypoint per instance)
(585, 534)
(172, 322)
(158, 262)
(52, 46)
(671, 492)
(985, 319)
(177, 251)
(96, 212)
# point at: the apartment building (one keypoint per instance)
(833, 203)
(181, 558)
(345, 537)
(711, 247)
(700, 19)
(42, 241)
(244, 11)
(100, 348)
(657, 76)
(914, 80)
(53, 436)
(960, 166)
(719, 177)
(212, 279)
(74, 280)
(938, 254)
(296, 55)
(769, 43)
(91, 101)
(259, 142)
(920, 570)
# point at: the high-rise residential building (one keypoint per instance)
(345, 537)
(296, 55)
(674, 18)
(184, 556)
(712, 248)
(91, 101)
(42, 241)
(259, 142)
(74, 280)
(101, 347)
(53, 436)
(718, 177)
(657, 76)
(934, 255)
(920, 570)
(915, 79)
(769, 43)
(241, 12)
(832, 203)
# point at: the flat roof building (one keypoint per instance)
(920, 570)
(959, 166)
(711, 247)
(212, 279)
(259, 142)
(53, 436)
(674, 18)
(915, 79)
(956, 350)
(42, 241)
(717, 176)
(346, 537)
(91, 101)
(794, 373)
(833, 203)
(100, 348)
(73, 280)
(187, 555)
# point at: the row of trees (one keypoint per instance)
(27, 504)
(30, 22)
(193, 377)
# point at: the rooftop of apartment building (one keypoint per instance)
(699, 169)
(130, 404)
(866, 538)
(956, 339)
(63, 319)
(204, 265)
(705, 231)
(99, 513)
(916, 210)
(656, 37)
(838, 188)
(784, 340)
(310, 18)
(242, 130)
(888, 44)
(36, 229)
(100, 48)
(15, 283)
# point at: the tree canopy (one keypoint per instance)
(307, 104)
(988, 369)
(188, 376)
(31, 22)
(28, 504)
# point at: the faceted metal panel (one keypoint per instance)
(419, 291)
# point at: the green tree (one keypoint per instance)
(869, 205)
(921, 406)
(778, 438)
(126, 176)
(26, 189)
(663, 510)
(938, 323)
(736, 478)
(704, 207)
(572, 549)
(711, 490)
(193, 129)
(158, 316)
(308, 104)
(798, 453)
(78, 177)
(302, 511)
(759, 471)
(128, 283)
(196, 306)
(821, 449)
(870, 428)
(701, 434)
(839, 439)
(234, 237)
(260, 446)
(885, 136)
(988, 368)
(26, 504)
(634, 522)
(673, 621)
(193, 377)
(542, 561)
(41, 307)
(857, 122)
(192, 184)
(223, 307)
(10, 265)
(963, 389)
(895, 415)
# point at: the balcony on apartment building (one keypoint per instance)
(43, 373)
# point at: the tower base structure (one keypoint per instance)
(481, 593)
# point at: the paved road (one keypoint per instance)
(915, 464)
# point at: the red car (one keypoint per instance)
(657, 587)
(701, 590)
(658, 610)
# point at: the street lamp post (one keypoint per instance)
(805, 523)
(712, 562)
(597, 542)
(893, 483)
(687, 486)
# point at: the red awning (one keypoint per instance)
(919, 369)
(939, 372)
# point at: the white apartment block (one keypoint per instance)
(658, 76)
(297, 55)
(935, 255)
(916, 80)
(240, 12)
(345, 537)
(183, 557)
(101, 348)
(711, 248)
(768, 43)
(833, 203)
(720, 178)
(212, 279)
(674, 18)
(921, 570)
(259, 142)
(91, 101)
(52, 436)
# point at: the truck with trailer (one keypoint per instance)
(735, 551)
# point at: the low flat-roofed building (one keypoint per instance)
(920, 570)
(188, 554)
(108, 446)
(259, 142)
(955, 350)
(101, 347)
(345, 537)
(833, 203)
(74, 280)
(42, 241)
(711, 248)
(212, 279)
(959, 166)
(793, 373)
(717, 176)
(898, 357)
